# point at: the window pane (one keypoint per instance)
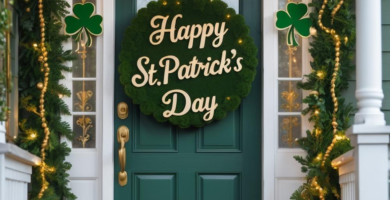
(84, 96)
(289, 131)
(290, 97)
(84, 130)
(88, 68)
(290, 58)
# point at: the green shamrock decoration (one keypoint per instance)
(294, 20)
(84, 23)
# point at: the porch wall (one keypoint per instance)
(350, 93)
(386, 57)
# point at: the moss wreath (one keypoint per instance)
(229, 88)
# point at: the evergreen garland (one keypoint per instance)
(5, 25)
(320, 105)
(30, 75)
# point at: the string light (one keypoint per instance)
(33, 136)
(318, 187)
(319, 156)
(178, 2)
(240, 41)
(60, 96)
(345, 40)
(318, 131)
(165, 3)
(228, 16)
(35, 45)
(316, 112)
(321, 75)
(313, 31)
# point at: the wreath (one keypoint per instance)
(228, 89)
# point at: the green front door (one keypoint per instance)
(221, 161)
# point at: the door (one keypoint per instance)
(221, 161)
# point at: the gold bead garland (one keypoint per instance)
(43, 87)
(336, 9)
(337, 43)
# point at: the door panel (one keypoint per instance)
(225, 136)
(219, 186)
(149, 136)
(154, 186)
(221, 161)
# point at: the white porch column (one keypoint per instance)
(369, 62)
(370, 135)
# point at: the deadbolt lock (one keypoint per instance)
(123, 110)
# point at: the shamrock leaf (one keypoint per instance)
(84, 23)
(294, 20)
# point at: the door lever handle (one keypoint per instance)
(123, 137)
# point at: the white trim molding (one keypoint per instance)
(15, 171)
(108, 100)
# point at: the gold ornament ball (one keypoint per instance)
(40, 85)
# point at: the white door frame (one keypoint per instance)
(270, 59)
(108, 111)
(281, 173)
(108, 99)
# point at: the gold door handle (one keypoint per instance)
(123, 137)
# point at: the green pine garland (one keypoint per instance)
(5, 25)
(30, 75)
(320, 105)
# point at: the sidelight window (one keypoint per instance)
(291, 68)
